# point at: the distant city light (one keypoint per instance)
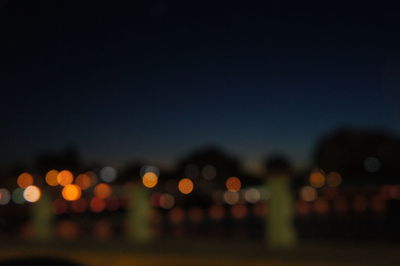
(239, 211)
(196, 214)
(102, 190)
(108, 174)
(302, 207)
(209, 172)
(167, 201)
(360, 203)
(340, 204)
(24, 180)
(65, 177)
(321, 206)
(252, 195)
(308, 193)
(79, 205)
(59, 206)
(372, 164)
(233, 184)
(97, 204)
(18, 196)
(176, 215)
(231, 198)
(333, 179)
(51, 178)
(185, 186)
(71, 192)
(216, 212)
(317, 178)
(83, 181)
(150, 179)
(4, 196)
(32, 193)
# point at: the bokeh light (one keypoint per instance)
(18, 196)
(317, 178)
(321, 206)
(196, 214)
(167, 201)
(209, 172)
(216, 212)
(83, 181)
(231, 197)
(372, 164)
(340, 204)
(32, 194)
(71, 192)
(233, 184)
(108, 174)
(59, 206)
(102, 190)
(51, 178)
(4, 196)
(333, 179)
(360, 203)
(239, 211)
(308, 193)
(185, 186)
(65, 177)
(252, 195)
(176, 215)
(150, 179)
(79, 205)
(24, 180)
(97, 204)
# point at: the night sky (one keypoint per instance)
(157, 79)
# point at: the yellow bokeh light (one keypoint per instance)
(233, 184)
(32, 193)
(65, 177)
(24, 180)
(150, 179)
(333, 179)
(71, 192)
(102, 191)
(51, 178)
(83, 181)
(317, 179)
(185, 186)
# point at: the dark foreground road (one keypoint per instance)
(115, 253)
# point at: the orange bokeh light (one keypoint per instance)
(71, 192)
(185, 186)
(25, 180)
(317, 179)
(65, 177)
(51, 178)
(102, 191)
(150, 179)
(83, 181)
(233, 184)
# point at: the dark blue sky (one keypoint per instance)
(155, 79)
